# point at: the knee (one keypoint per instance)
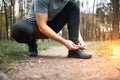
(21, 33)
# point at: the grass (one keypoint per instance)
(110, 48)
(43, 45)
(107, 48)
(11, 51)
(93, 45)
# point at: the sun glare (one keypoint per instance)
(115, 50)
(111, 48)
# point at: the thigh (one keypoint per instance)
(29, 27)
(59, 21)
(21, 32)
(67, 15)
(36, 32)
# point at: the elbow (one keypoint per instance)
(41, 28)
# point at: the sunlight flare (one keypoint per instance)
(111, 48)
(115, 51)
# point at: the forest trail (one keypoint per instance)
(54, 65)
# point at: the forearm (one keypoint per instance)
(41, 19)
(46, 30)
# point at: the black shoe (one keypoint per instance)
(32, 49)
(78, 54)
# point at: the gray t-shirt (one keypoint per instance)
(52, 7)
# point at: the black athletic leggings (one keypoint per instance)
(25, 31)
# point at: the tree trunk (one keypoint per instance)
(115, 20)
(12, 14)
(21, 12)
(93, 29)
(6, 19)
(1, 23)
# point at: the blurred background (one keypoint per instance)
(99, 19)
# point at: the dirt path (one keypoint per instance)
(58, 67)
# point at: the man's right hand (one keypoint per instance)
(70, 45)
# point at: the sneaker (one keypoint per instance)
(78, 54)
(32, 49)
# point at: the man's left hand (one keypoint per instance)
(82, 45)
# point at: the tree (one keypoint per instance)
(115, 19)
(6, 17)
(93, 26)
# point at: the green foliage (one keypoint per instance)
(11, 51)
(43, 45)
(93, 45)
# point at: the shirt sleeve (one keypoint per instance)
(40, 5)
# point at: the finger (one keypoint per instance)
(82, 47)
(75, 45)
(85, 46)
(73, 48)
